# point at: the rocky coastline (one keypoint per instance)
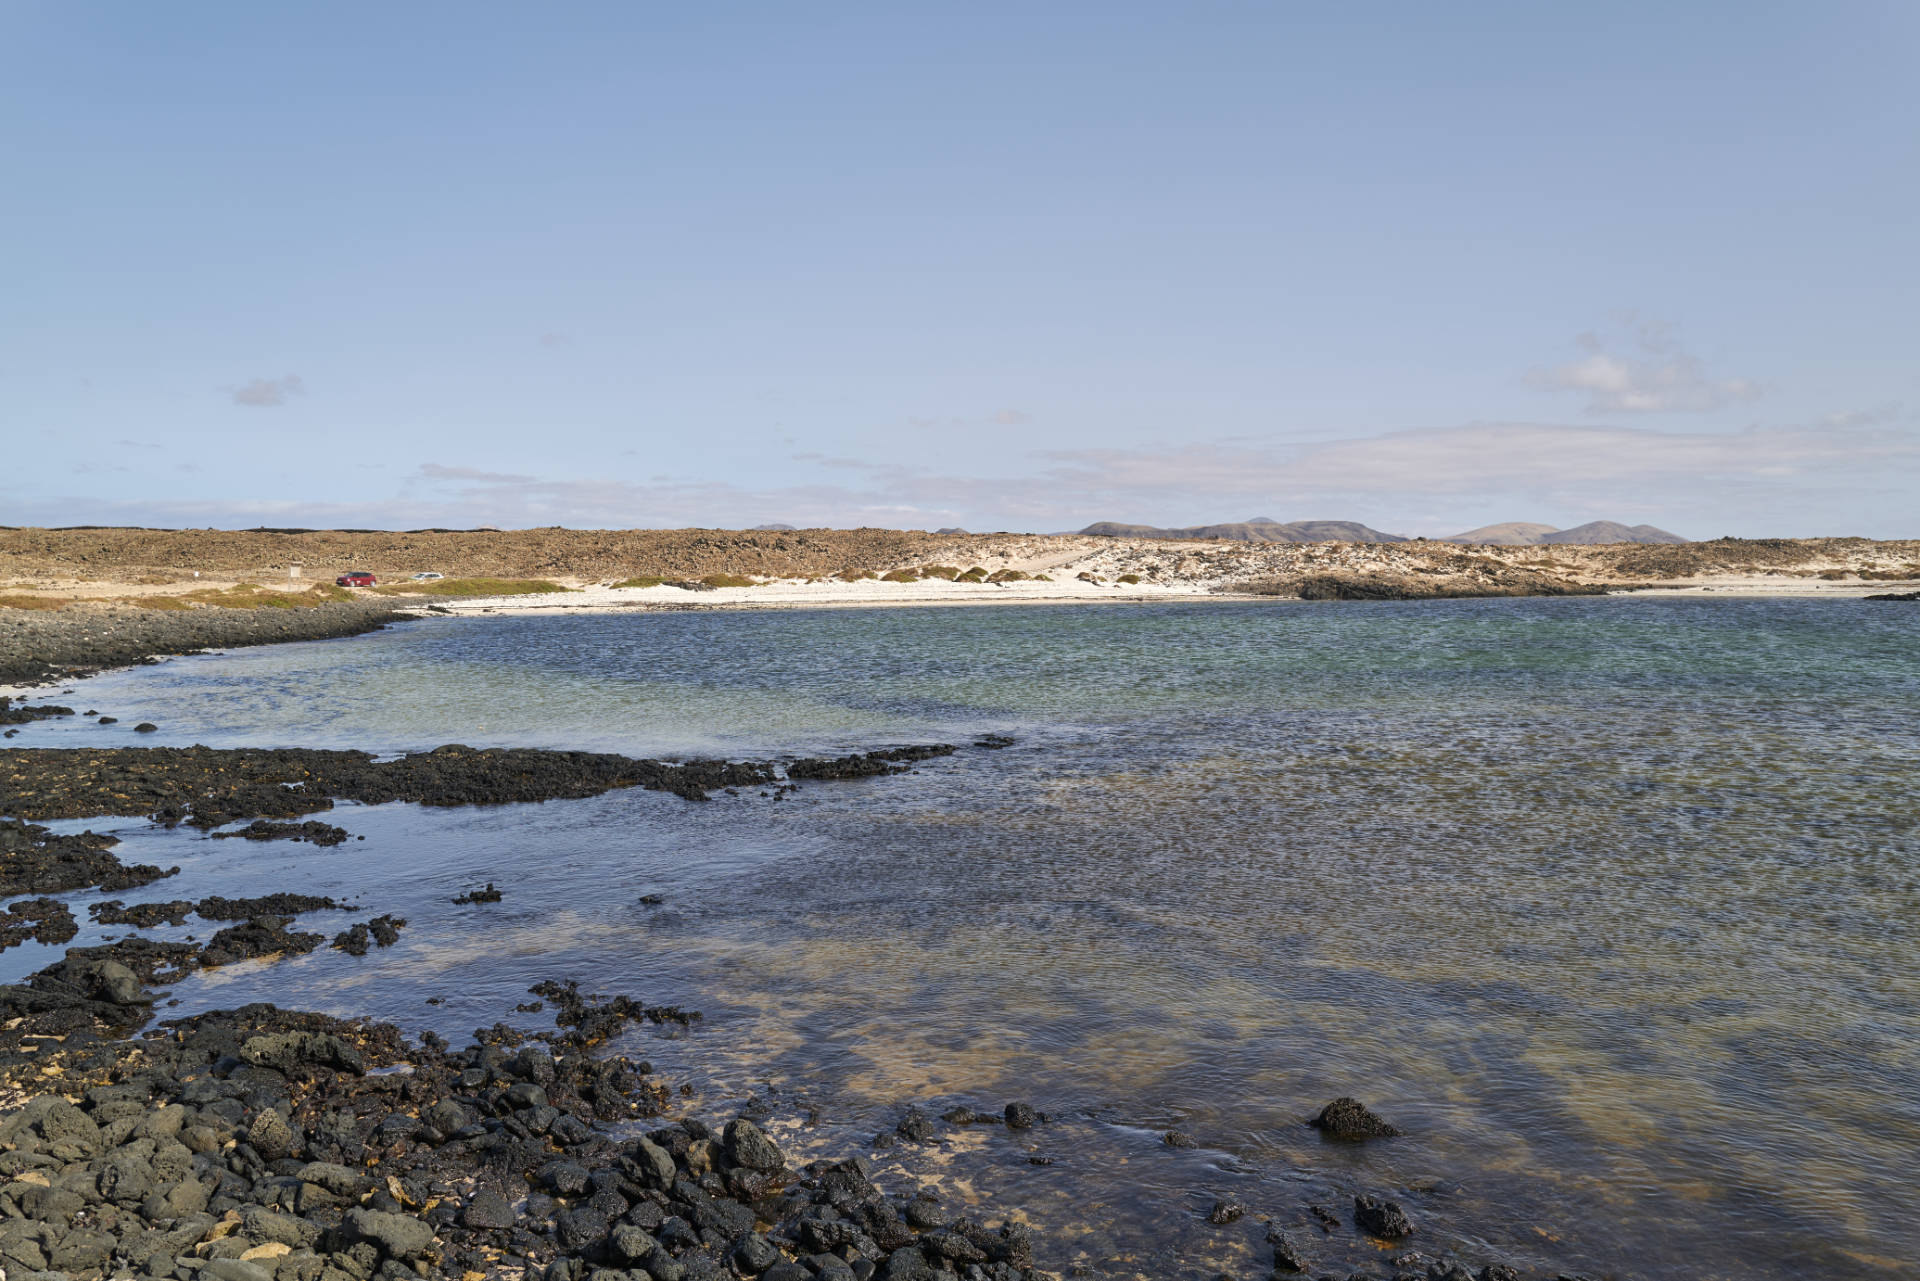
(42, 647)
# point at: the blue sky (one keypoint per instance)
(1005, 266)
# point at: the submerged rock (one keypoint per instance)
(1348, 1118)
(1381, 1218)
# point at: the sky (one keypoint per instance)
(998, 266)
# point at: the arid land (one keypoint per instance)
(175, 569)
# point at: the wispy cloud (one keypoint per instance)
(434, 471)
(1772, 480)
(1654, 374)
(267, 392)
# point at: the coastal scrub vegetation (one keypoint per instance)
(900, 576)
(473, 587)
(254, 596)
(239, 596)
(1128, 579)
(645, 580)
(973, 575)
(729, 580)
(948, 572)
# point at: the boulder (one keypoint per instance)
(398, 1236)
(747, 1145)
(1347, 1118)
(1381, 1218)
(487, 1210)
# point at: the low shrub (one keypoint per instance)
(1006, 576)
(729, 580)
(643, 581)
(948, 572)
(1129, 579)
(974, 575)
(473, 587)
(900, 576)
(250, 596)
(855, 575)
(32, 602)
(1085, 577)
(1041, 578)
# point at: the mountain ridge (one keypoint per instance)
(1261, 529)
(1593, 533)
(1265, 529)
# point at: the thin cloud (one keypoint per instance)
(1654, 375)
(265, 393)
(434, 471)
(1776, 480)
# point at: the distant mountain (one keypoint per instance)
(1521, 533)
(1261, 529)
(1515, 533)
(775, 528)
(1608, 531)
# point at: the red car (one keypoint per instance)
(356, 578)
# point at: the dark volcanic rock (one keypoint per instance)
(383, 930)
(915, 1126)
(866, 764)
(261, 936)
(1286, 1256)
(488, 1210)
(1411, 587)
(35, 861)
(1225, 1212)
(747, 1145)
(312, 830)
(211, 787)
(12, 713)
(591, 1019)
(1347, 1118)
(44, 920)
(141, 915)
(56, 645)
(1381, 1218)
(1021, 1116)
(216, 908)
(487, 895)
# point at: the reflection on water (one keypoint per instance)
(1610, 904)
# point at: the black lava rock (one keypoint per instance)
(1381, 1218)
(1346, 1118)
(487, 1211)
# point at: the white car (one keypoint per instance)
(427, 576)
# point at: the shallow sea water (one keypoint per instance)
(1613, 905)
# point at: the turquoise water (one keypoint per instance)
(1611, 904)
